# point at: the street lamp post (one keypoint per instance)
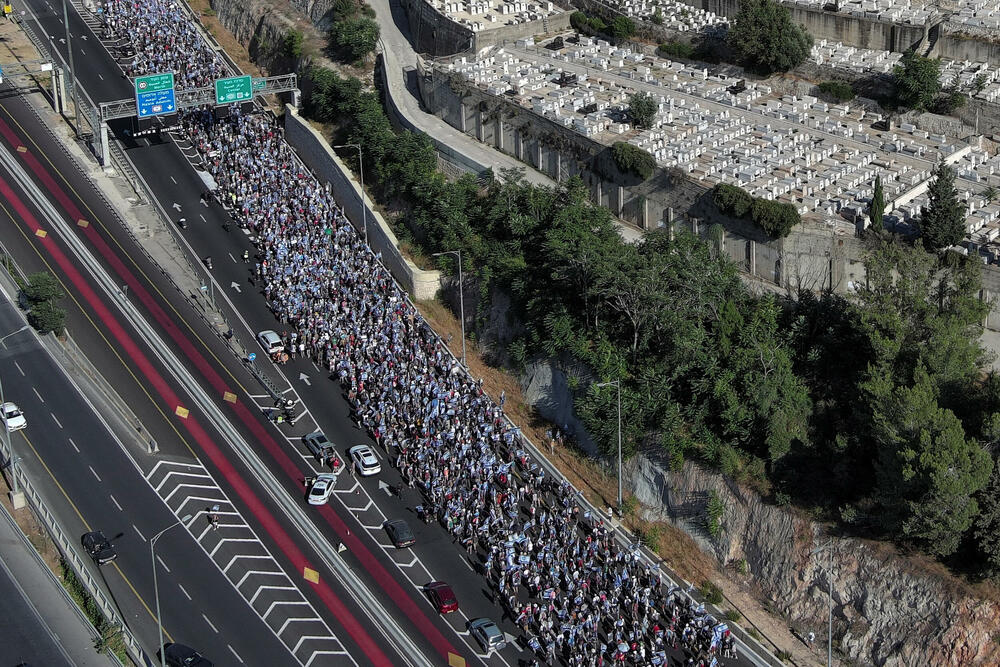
(461, 294)
(15, 488)
(618, 384)
(361, 170)
(72, 71)
(828, 548)
(156, 588)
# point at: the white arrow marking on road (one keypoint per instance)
(62, 40)
(204, 203)
(341, 549)
(236, 286)
(305, 378)
(177, 206)
(83, 37)
(512, 641)
(384, 487)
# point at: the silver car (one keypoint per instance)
(486, 632)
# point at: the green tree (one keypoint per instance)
(622, 27)
(987, 531)
(775, 218)
(990, 193)
(46, 316)
(876, 208)
(942, 221)
(42, 287)
(928, 472)
(292, 44)
(917, 80)
(731, 200)
(841, 91)
(765, 39)
(642, 108)
(657, 17)
(356, 36)
(633, 160)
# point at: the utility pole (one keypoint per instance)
(72, 71)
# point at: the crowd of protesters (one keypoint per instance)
(579, 597)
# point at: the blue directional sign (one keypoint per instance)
(154, 94)
(252, 356)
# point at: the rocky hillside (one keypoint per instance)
(888, 610)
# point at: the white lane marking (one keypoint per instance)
(271, 588)
(56, 420)
(116, 503)
(236, 654)
(100, 77)
(202, 217)
(184, 592)
(163, 565)
(74, 445)
(231, 257)
(20, 370)
(210, 624)
(140, 532)
(38, 395)
(175, 183)
(95, 473)
(82, 52)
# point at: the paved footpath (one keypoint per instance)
(39, 623)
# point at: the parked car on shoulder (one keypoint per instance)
(486, 632)
(442, 596)
(12, 416)
(364, 460)
(322, 489)
(98, 547)
(400, 534)
(270, 341)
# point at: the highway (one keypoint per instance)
(86, 472)
(176, 183)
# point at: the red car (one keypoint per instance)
(442, 596)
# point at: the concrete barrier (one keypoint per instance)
(328, 168)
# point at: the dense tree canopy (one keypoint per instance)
(765, 39)
(642, 108)
(917, 80)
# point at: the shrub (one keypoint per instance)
(356, 36)
(711, 592)
(949, 102)
(42, 286)
(675, 49)
(713, 519)
(731, 200)
(840, 91)
(733, 616)
(46, 317)
(622, 27)
(775, 218)
(633, 160)
(291, 46)
(579, 21)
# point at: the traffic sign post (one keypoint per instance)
(233, 89)
(252, 356)
(155, 94)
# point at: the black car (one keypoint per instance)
(99, 547)
(180, 655)
(400, 533)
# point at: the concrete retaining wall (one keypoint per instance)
(434, 33)
(865, 32)
(958, 46)
(328, 168)
(511, 33)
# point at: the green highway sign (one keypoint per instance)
(258, 84)
(233, 89)
(154, 82)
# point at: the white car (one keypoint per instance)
(270, 341)
(365, 460)
(322, 489)
(12, 416)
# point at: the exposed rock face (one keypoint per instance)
(887, 609)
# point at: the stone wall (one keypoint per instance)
(434, 33)
(888, 610)
(956, 44)
(511, 33)
(869, 33)
(328, 168)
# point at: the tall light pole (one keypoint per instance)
(461, 294)
(72, 72)
(361, 170)
(10, 445)
(156, 588)
(828, 548)
(618, 384)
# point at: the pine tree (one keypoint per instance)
(876, 209)
(942, 221)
